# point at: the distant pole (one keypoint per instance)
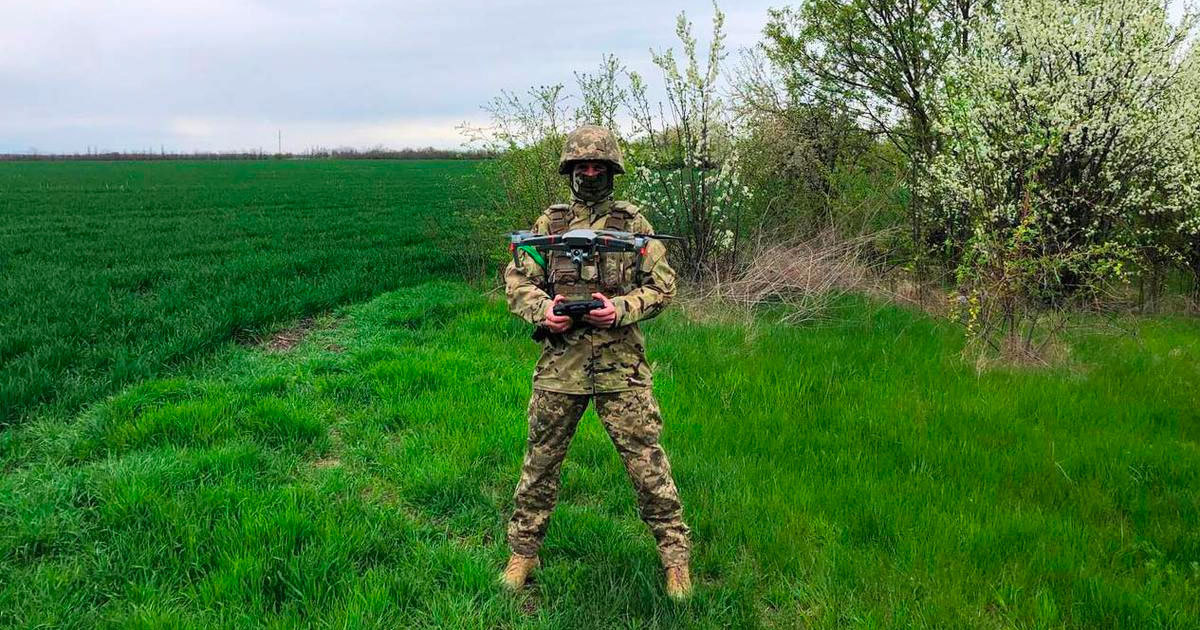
(280, 142)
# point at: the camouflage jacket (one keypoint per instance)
(586, 359)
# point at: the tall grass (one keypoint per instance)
(855, 474)
(115, 272)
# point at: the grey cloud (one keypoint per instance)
(225, 75)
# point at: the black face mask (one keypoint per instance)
(592, 189)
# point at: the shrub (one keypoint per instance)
(1068, 153)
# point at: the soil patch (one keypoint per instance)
(285, 339)
(289, 338)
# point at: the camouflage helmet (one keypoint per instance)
(589, 143)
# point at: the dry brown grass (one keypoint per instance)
(902, 289)
(804, 274)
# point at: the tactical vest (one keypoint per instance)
(610, 273)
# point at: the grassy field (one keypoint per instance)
(163, 468)
(115, 272)
(850, 475)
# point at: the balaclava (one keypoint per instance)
(592, 189)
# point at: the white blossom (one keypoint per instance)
(1085, 113)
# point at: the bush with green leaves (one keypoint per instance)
(879, 62)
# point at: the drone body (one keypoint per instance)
(582, 245)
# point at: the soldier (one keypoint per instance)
(601, 359)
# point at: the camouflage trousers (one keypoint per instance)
(634, 423)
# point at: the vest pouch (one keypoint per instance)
(562, 270)
(615, 273)
(567, 281)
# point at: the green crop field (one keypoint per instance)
(113, 272)
(852, 474)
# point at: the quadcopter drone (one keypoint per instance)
(582, 245)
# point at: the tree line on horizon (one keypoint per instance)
(340, 153)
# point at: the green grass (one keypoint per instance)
(856, 474)
(115, 272)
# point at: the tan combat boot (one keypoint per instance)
(679, 582)
(517, 571)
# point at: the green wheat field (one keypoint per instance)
(255, 394)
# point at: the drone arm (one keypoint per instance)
(539, 241)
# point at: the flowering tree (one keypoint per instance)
(680, 155)
(1068, 153)
(1189, 228)
(686, 163)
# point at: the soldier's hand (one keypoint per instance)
(602, 317)
(556, 323)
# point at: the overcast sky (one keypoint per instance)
(221, 74)
(225, 75)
